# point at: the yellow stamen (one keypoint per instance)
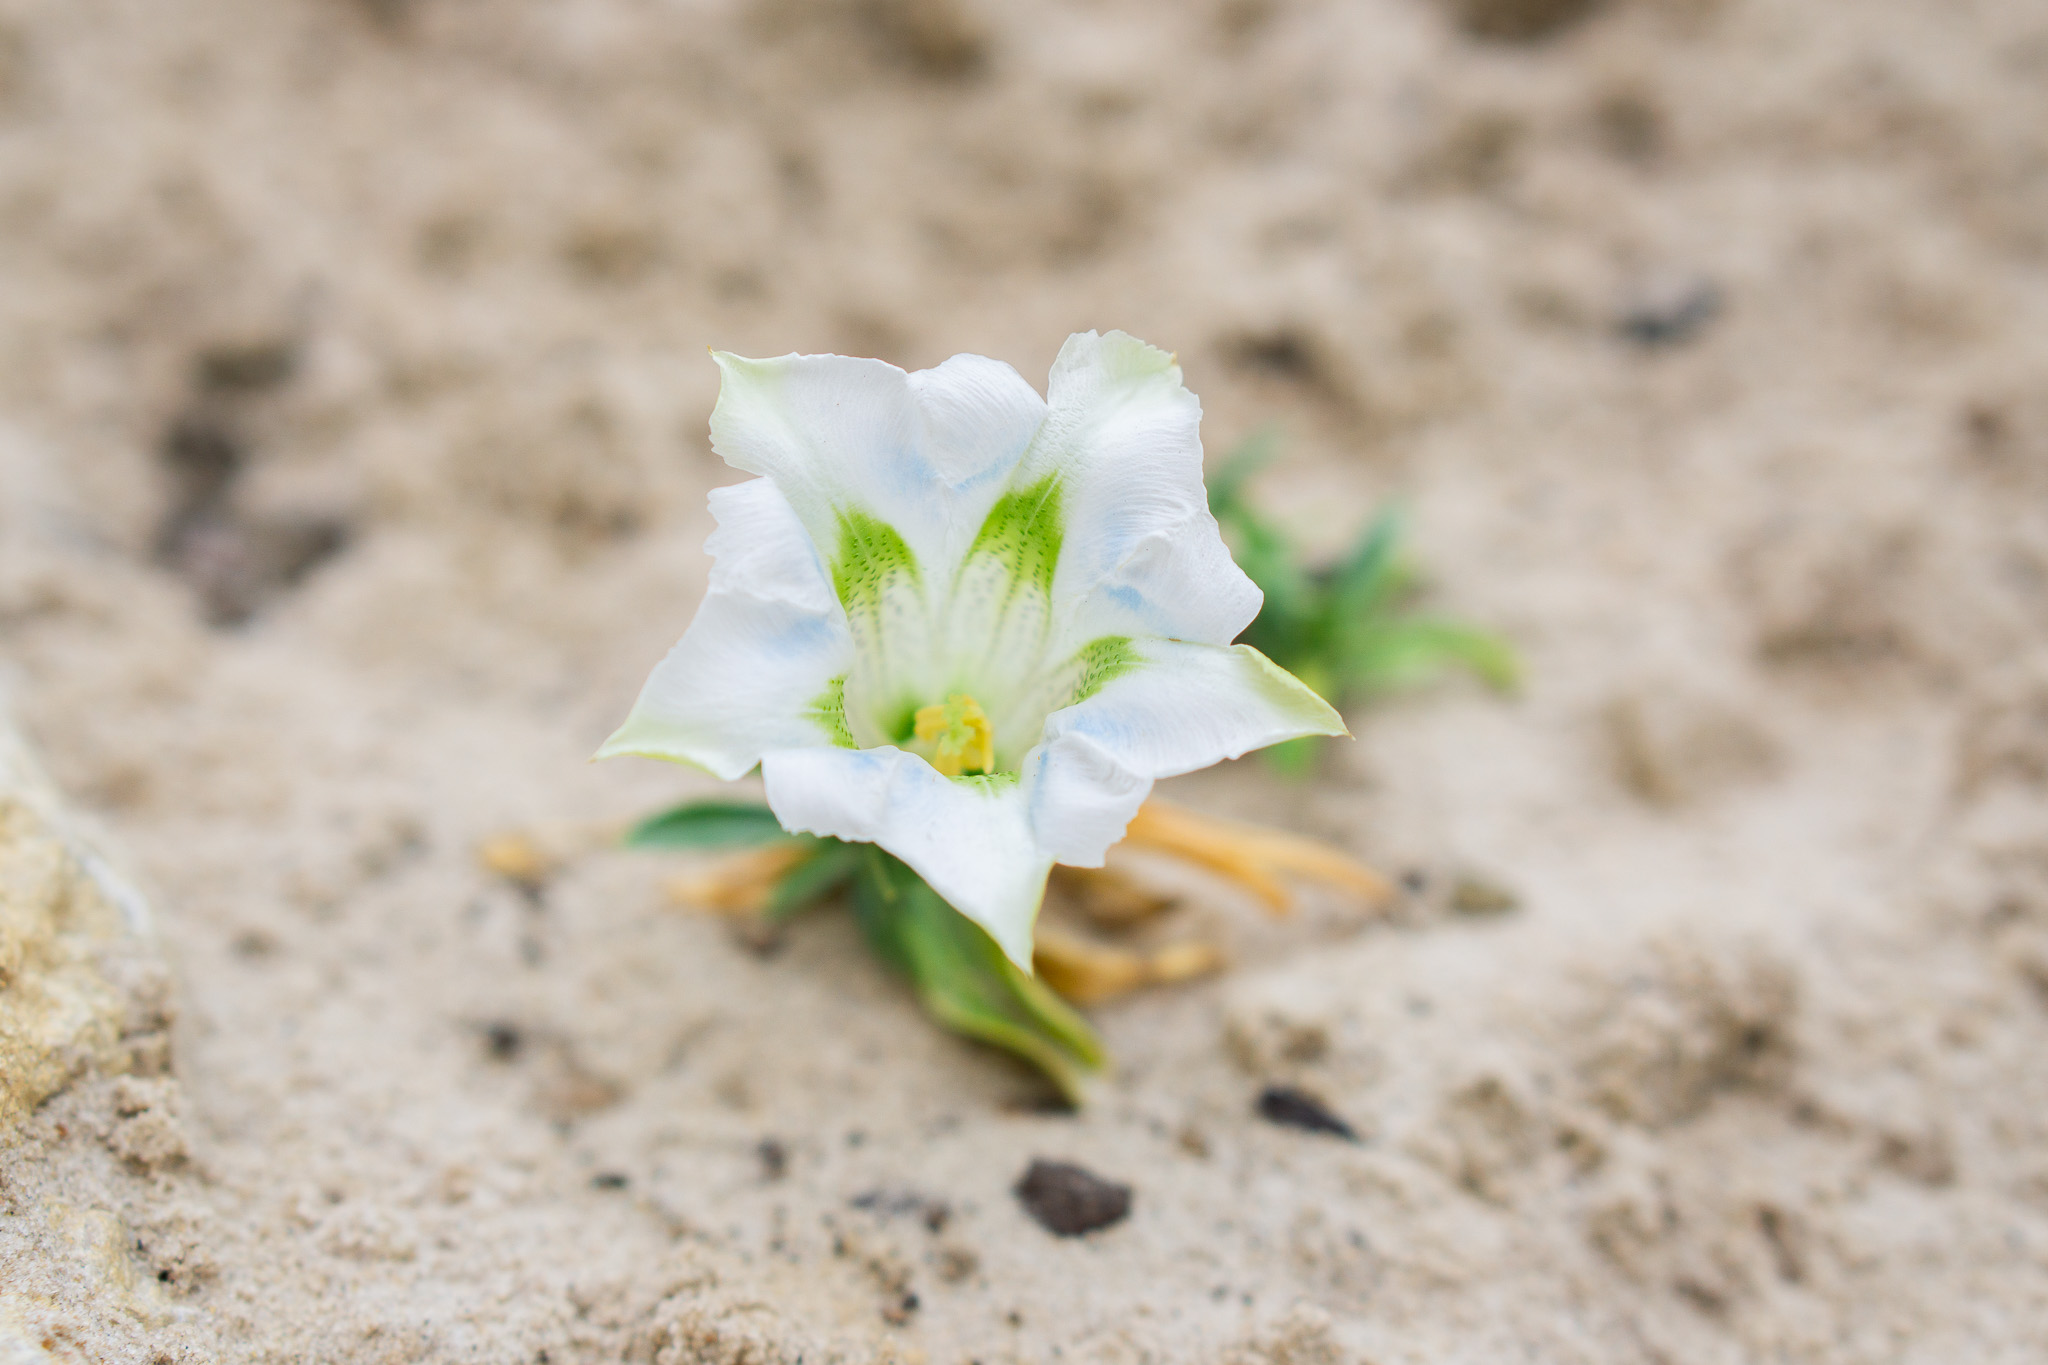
(966, 741)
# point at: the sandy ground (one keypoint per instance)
(352, 461)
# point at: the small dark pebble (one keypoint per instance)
(1068, 1201)
(247, 367)
(233, 559)
(1415, 881)
(204, 455)
(503, 1041)
(1670, 313)
(1292, 1108)
(759, 937)
(774, 1158)
(608, 1180)
(1041, 1099)
(1520, 21)
(254, 943)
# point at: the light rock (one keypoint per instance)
(79, 990)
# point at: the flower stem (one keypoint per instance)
(964, 980)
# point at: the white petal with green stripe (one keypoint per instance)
(755, 670)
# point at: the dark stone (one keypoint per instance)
(1068, 1201)
(1292, 1108)
(204, 456)
(247, 367)
(608, 1180)
(1520, 21)
(774, 1158)
(1670, 312)
(939, 39)
(503, 1041)
(232, 558)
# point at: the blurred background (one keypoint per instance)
(353, 394)
(296, 281)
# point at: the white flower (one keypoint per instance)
(963, 622)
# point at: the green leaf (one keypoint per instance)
(1372, 575)
(1294, 758)
(814, 879)
(964, 980)
(1343, 630)
(1391, 654)
(1266, 554)
(1226, 486)
(707, 824)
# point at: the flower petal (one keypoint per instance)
(979, 417)
(761, 549)
(924, 454)
(1165, 707)
(969, 838)
(1139, 552)
(763, 663)
(891, 474)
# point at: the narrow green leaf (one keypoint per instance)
(1294, 758)
(707, 824)
(1393, 654)
(964, 980)
(878, 893)
(1292, 619)
(1371, 575)
(1285, 624)
(1342, 630)
(1226, 486)
(813, 880)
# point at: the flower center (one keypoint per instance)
(966, 742)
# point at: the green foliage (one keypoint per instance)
(961, 977)
(822, 875)
(964, 980)
(707, 824)
(1347, 630)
